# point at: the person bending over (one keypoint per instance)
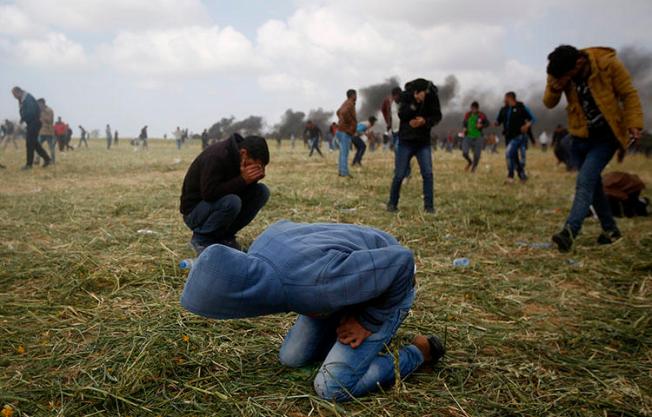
(604, 114)
(221, 193)
(352, 287)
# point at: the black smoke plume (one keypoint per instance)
(639, 63)
(371, 97)
(252, 125)
(292, 123)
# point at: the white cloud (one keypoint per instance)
(14, 22)
(54, 50)
(113, 15)
(180, 51)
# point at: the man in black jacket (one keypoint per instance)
(30, 113)
(517, 121)
(221, 193)
(419, 111)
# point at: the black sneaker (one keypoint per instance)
(607, 238)
(430, 210)
(392, 208)
(47, 163)
(437, 349)
(564, 240)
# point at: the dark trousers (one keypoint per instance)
(314, 146)
(591, 156)
(215, 221)
(476, 145)
(404, 153)
(360, 148)
(31, 139)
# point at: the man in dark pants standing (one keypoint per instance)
(313, 133)
(221, 193)
(604, 116)
(30, 113)
(419, 111)
(474, 122)
(517, 121)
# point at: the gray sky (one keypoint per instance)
(189, 62)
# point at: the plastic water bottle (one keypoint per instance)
(186, 264)
(461, 262)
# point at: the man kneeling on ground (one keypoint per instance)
(221, 192)
(352, 287)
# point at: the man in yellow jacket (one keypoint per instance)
(604, 116)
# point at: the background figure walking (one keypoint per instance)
(82, 137)
(46, 134)
(109, 137)
(313, 133)
(30, 113)
(346, 127)
(474, 122)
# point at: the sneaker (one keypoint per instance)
(437, 349)
(509, 181)
(392, 208)
(607, 238)
(47, 163)
(430, 210)
(26, 168)
(564, 240)
(349, 176)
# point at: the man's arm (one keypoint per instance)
(434, 113)
(213, 184)
(386, 111)
(554, 90)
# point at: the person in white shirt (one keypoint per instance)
(544, 140)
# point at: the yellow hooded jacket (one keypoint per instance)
(613, 91)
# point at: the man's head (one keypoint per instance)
(566, 60)
(254, 150)
(396, 93)
(475, 107)
(419, 89)
(352, 95)
(310, 124)
(510, 98)
(372, 121)
(41, 103)
(59, 119)
(17, 92)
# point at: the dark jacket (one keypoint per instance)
(311, 269)
(514, 120)
(30, 112)
(409, 109)
(213, 174)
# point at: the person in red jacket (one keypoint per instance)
(61, 131)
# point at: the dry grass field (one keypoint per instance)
(90, 321)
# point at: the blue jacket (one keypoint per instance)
(30, 112)
(311, 269)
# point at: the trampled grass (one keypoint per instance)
(91, 324)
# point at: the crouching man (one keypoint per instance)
(352, 287)
(221, 193)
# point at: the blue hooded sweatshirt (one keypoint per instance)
(311, 269)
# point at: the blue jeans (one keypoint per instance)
(314, 146)
(395, 143)
(214, 221)
(52, 145)
(360, 148)
(591, 156)
(404, 154)
(348, 372)
(513, 159)
(345, 144)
